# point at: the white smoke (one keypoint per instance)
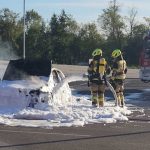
(38, 81)
(6, 51)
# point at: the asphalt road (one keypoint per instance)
(127, 135)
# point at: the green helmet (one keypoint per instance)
(97, 52)
(116, 53)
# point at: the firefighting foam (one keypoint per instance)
(62, 109)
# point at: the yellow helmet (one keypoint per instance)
(116, 53)
(97, 52)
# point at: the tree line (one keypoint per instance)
(65, 41)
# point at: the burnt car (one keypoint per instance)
(34, 83)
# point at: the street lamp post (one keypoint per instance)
(24, 36)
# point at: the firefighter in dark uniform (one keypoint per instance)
(97, 81)
(119, 70)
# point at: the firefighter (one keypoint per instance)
(119, 70)
(97, 77)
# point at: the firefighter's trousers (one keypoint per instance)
(119, 88)
(97, 94)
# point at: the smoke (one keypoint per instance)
(37, 80)
(6, 51)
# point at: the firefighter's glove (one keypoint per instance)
(125, 71)
(111, 82)
(108, 70)
(90, 76)
(112, 78)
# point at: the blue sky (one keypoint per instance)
(83, 11)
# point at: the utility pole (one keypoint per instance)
(24, 32)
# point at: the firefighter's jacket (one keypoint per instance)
(97, 70)
(119, 69)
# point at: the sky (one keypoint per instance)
(83, 11)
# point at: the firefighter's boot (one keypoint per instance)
(118, 99)
(94, 101)
(101, 100)
(122, 99)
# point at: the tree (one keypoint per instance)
(131, 21)
(43, 45)
(90, 39)
(10, 29)
(147, 20)
(135, 44)
(112, 24)
(33, 22)
(62, 29)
